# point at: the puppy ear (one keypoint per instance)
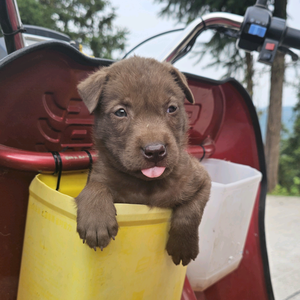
(182, 82)
(91, 88)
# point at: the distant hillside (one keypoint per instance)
(287, 119)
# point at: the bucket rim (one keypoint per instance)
(127, 214)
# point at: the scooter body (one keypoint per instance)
(45, 127)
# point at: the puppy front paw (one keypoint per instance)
(97, 228)
(182, 248)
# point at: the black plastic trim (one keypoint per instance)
(56, 46)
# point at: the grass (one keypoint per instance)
(283, 191)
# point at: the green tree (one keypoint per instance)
(222, 47)
(34, 13)
(188, 10)
(89, 22)
(289, 170)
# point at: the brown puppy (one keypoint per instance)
(141, 134)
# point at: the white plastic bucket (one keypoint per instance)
(225, 222)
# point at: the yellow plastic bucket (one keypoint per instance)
(57, 265)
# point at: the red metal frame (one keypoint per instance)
(187, 292)
(11, 25)
(12, 12)
(76, 160)
(41, 112)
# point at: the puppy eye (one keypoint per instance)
(171, 109)
(121, 113)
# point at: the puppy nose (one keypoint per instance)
(155, 152)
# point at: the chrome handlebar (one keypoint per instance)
(194, 29)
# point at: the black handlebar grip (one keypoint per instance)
(291, 38)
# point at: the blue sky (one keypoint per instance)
(141, 18)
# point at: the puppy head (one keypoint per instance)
(140, 120)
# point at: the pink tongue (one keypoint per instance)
(153, 172)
